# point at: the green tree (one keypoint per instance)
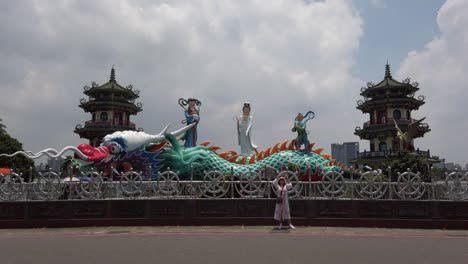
(408, 160)
(9, 145)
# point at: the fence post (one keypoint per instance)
(232, 182)
(352, 186)
(389, 169)
(191, 181)
(70, 175)
(31, 181)
(150, 175)
(432, 183)
(112, 184)
(268, 182)
(30, 174)
(308, 191)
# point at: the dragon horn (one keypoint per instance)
(182, 131)
(160, 137)
(165, 129)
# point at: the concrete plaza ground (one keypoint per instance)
(235, 244)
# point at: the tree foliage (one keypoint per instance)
(409, 160)
(9, 145)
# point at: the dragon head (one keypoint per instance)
(93, 154)
(121, 142)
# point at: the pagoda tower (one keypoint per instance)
(387, 103)
(110, 106)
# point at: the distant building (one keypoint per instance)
(40, 166)
(439, 165)
(345, 152)
(452, 166)
(55, 164)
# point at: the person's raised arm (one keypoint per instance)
(275, 183)
(289, 185)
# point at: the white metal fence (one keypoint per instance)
(370, 185)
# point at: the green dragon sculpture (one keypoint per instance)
(151, 154)
(198, 160)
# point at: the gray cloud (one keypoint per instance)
(284, 57)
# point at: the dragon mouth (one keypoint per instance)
(92, 153)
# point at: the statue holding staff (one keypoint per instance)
(300, 126)
(192, 115)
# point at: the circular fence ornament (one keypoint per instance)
(333, 185)
(294, 180)
(11, 187)
(372, 185)
(457, 185)
(250, 185)
(91, 186)
(168, 184)
(131, 184)
(214, 184)
(48, 186)
(409, 185)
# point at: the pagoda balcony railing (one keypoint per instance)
(109, 123)
(117, 102)
(389, 121)
(389, 154)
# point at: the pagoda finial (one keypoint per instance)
(388, 74)
(112, 76)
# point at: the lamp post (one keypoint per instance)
(444, 165)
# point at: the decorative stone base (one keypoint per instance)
(351, 213)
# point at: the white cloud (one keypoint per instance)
(441, 69)
(284, 57)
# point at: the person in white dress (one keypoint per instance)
(244, 129)
(282, 213)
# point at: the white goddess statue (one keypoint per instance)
(244, 129)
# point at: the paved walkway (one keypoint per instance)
(232, 245)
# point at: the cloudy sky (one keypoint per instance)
(283, 56)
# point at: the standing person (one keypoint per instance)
(192, 115)
(282, 185)
(244, 129)
(300, 128)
